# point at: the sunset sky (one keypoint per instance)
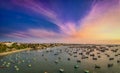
(67, 21)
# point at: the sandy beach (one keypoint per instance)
(10, 52)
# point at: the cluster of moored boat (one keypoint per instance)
(15, 62)
(78, 52)
(96, 52)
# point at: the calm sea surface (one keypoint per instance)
(71, 59)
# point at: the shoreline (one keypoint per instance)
(15, 51)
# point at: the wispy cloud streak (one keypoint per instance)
(49, 14)
(96, 25)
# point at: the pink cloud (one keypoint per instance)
(35, 6)
(17, 35)
(102, 22)
(40, 33)
(94, 26)
(34, 33)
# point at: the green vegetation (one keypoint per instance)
(4, 47)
